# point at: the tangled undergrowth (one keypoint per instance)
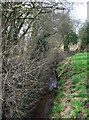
(72, 99)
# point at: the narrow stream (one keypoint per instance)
(43, 108)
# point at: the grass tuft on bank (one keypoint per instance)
(72, 100)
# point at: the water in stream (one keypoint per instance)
(43, 108)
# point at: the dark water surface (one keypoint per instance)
(43, 108)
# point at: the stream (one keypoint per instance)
(43, 108)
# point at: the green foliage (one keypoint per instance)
(77, 107)
(42, 44)
(80, 87)
(82, 94)
(84, 35)
(58, 109)
(72, 37)
(80, 63)
(67, 32)
(77, 104)
(75, 79)
(61, 82)
(86, 99)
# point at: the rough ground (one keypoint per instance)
(72, 99)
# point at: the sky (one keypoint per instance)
(80, 11)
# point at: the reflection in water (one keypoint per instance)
(52, 83)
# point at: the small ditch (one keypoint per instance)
(43, 107)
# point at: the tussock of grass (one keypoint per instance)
(72, 88)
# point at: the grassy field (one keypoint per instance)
(72, 100)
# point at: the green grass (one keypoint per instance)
(72, 91)
(61, 82)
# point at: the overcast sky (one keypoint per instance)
(80, 11)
